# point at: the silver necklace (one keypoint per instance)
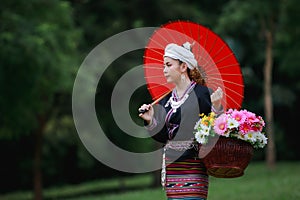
(177, 104)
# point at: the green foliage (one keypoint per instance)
(287, 38)
(37, 58)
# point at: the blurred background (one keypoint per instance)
(43, 43)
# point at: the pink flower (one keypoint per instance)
(258, 126)
(239, 116)
(245, 128)
(255, 123)
(221, 125)
(229, 111)
(262, 122)
(251, 117)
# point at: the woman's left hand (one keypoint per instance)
(216, 98)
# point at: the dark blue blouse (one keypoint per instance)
(179, 125)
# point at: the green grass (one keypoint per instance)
(100, 186)
(150, 194)
(258, 183)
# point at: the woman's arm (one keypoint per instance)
(154, 121)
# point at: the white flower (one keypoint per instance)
(201, 137)
(261, 139)
(205, 129)
(251, 137)
(232, 123)
(226, 134)
(240, 136)
(197, 124)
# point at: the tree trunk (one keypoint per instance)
(157, 178)
(37, 171)
(271, 150)
(157, 173)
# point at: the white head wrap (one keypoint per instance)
(182, 53)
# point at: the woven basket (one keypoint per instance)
(227, 157)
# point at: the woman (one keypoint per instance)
(172, 122)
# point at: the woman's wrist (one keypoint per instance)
(217, 109)
(150, 124)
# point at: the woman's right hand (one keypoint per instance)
(148, 114)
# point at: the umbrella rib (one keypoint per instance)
(162, 37)
(214, 43)
(235, 102)
(211, 48)
(234, 83)
(165, 29)
(221, 60)
(230, 82)
(225, 57)
(147, 57)
(156, 43)
(198, 40)
(183, 32)
(219, 51)
(230, 74)
(204, 46)
(156, 51)
(223, 67)
(170, 35)
(149, 88)
(235, 92)
(151, 67)
(198, 56)
(227, 66)
(189, 28)
(223, 74)
(156, 76)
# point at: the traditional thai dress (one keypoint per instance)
(183, 173)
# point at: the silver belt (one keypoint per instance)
(178, 146)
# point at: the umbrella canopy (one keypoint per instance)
(217, 62)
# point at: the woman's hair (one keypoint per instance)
(195, 74)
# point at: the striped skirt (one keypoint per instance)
(187, 180)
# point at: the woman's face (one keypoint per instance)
(172, 70)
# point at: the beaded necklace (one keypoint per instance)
(175, 101)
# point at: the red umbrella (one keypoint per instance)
(217, 62)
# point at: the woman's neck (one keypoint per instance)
(181, 87)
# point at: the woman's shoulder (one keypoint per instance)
(201, 89)
(203, 95)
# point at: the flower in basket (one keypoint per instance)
(240, 124)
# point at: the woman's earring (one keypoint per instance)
(183, 78)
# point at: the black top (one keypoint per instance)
(179, 126)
